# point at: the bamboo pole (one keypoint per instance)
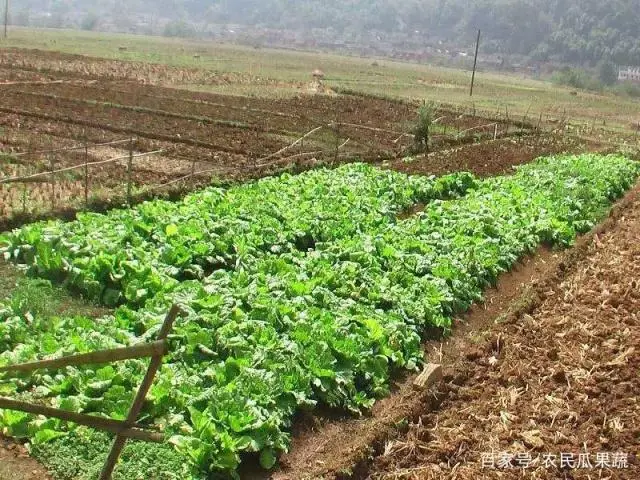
(475, 65)
(153, 349)
(154, 365)
(108, 424)
(71, 149)
(6, 18)
(86, 175)
(129, 173)
(53, 183)
(76, 167)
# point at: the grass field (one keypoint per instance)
(289, 72)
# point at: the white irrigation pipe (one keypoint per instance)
(75, 167)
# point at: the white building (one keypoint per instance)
(629, 74)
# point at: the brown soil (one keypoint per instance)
(452, 424)
(228, 137)
(558, 375)
(491, 157)
(15, 463)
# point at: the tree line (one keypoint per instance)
(575, 31)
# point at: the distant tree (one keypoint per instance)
(607, 73)
(179, 28)
(90, 21)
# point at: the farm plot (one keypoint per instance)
(202, 136)
(558, 379)
(291, 303)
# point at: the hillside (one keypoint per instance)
(575, 31)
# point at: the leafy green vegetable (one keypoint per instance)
(320, 293)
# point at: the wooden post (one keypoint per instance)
(53, 182)
(475, 64)
(154, 366)
(507, 117)
(24, 198)
(86, 174)
(108, 424)
(495, 132)
(24, 184)
(337, 132)
(129, 168)
(6, 18)
(153, 349)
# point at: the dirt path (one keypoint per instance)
(561, 379)
(15, 463)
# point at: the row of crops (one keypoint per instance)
(299, 291)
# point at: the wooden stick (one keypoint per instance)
(108, 424)
(129, 172)
(477, 128)
(156, 348)
(70, 149)
(309, 133)
(374, 129)
(154, 365)
(76, 167)
(86, 175)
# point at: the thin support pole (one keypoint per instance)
(24, 198)
(475, 65)
(53, 182)
(86, 174)
(6, 18)
(129, 168)
(335, 157)
(136, 407)
(507, 117)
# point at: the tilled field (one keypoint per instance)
(51, 102)
(558, 378)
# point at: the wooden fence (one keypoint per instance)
(122, 429)
(52, 173)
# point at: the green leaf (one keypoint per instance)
(267, 458)
(171, 230)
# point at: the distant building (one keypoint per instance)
(629, 74)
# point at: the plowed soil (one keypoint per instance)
(549, 356)
(561, 378)
(491, 157)
(15, 463)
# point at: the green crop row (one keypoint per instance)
(128, 256)
(294, 327)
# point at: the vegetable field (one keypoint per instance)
(301, 292)
(52, 102)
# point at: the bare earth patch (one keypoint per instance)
(560, 379)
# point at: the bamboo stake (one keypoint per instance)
(154, 365)
(108, 424)
(86, 175)
(129, 171)
(70, 149)
(275, 154)
(53, 183)
(103, 356)
(76, 167)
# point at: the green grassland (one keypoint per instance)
(495, 92)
